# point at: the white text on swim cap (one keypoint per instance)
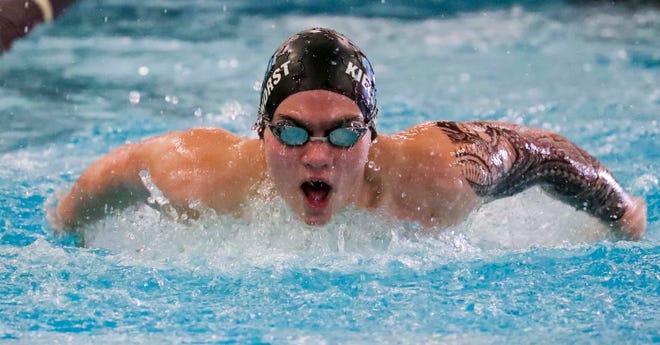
(358, 75)
(273, 80)
(276, 76)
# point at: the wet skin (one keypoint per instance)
(410, 175)
(423, 174)
(296, 170)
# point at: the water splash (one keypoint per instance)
(269, 234)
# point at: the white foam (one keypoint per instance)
(269, 235)
(531, 219)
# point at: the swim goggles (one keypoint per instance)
(344, 136)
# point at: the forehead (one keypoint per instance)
(318, 106)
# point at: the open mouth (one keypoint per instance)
(316, 193)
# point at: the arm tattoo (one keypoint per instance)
(500, 159)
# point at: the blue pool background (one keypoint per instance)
(521, 270)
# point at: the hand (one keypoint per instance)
(633, 223)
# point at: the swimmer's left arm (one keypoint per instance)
(500, 159)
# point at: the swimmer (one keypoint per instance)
(319, 149)
(18, 17)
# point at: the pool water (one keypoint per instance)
(525, 269)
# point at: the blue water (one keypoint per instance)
(524, 269)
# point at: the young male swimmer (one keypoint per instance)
(319, 148)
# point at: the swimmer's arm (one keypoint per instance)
(111, 183)
(18, 17)
(500, 159)
(207, 166)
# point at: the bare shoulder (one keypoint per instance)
(423, 146)
(210, 165)
(190, 141)
(418, 176)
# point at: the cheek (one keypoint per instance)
(356, 158)
(278, 158)
(362, 149)
(273, 150)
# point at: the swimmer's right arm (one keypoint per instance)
(112, 182)
(206, 167)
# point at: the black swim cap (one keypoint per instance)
(318, 59)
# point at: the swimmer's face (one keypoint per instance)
(317, 179)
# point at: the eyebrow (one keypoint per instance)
(337, 123)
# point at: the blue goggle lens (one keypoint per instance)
(291, 135)
(343, 137)
(294, 136)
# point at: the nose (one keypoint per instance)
(317, 155)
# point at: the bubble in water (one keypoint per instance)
(172, 99)
(645, 183)
(655, 96)
(621, 54)
(134, 97)
(233, 109)
(143, 70)
(231, 63)
(465, 77)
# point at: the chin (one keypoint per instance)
(316, 220)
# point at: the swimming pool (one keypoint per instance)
(521, 270)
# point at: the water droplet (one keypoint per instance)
(373, 166)
(172, 99)
(465, 77)
(134, 97)
(621, 54)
